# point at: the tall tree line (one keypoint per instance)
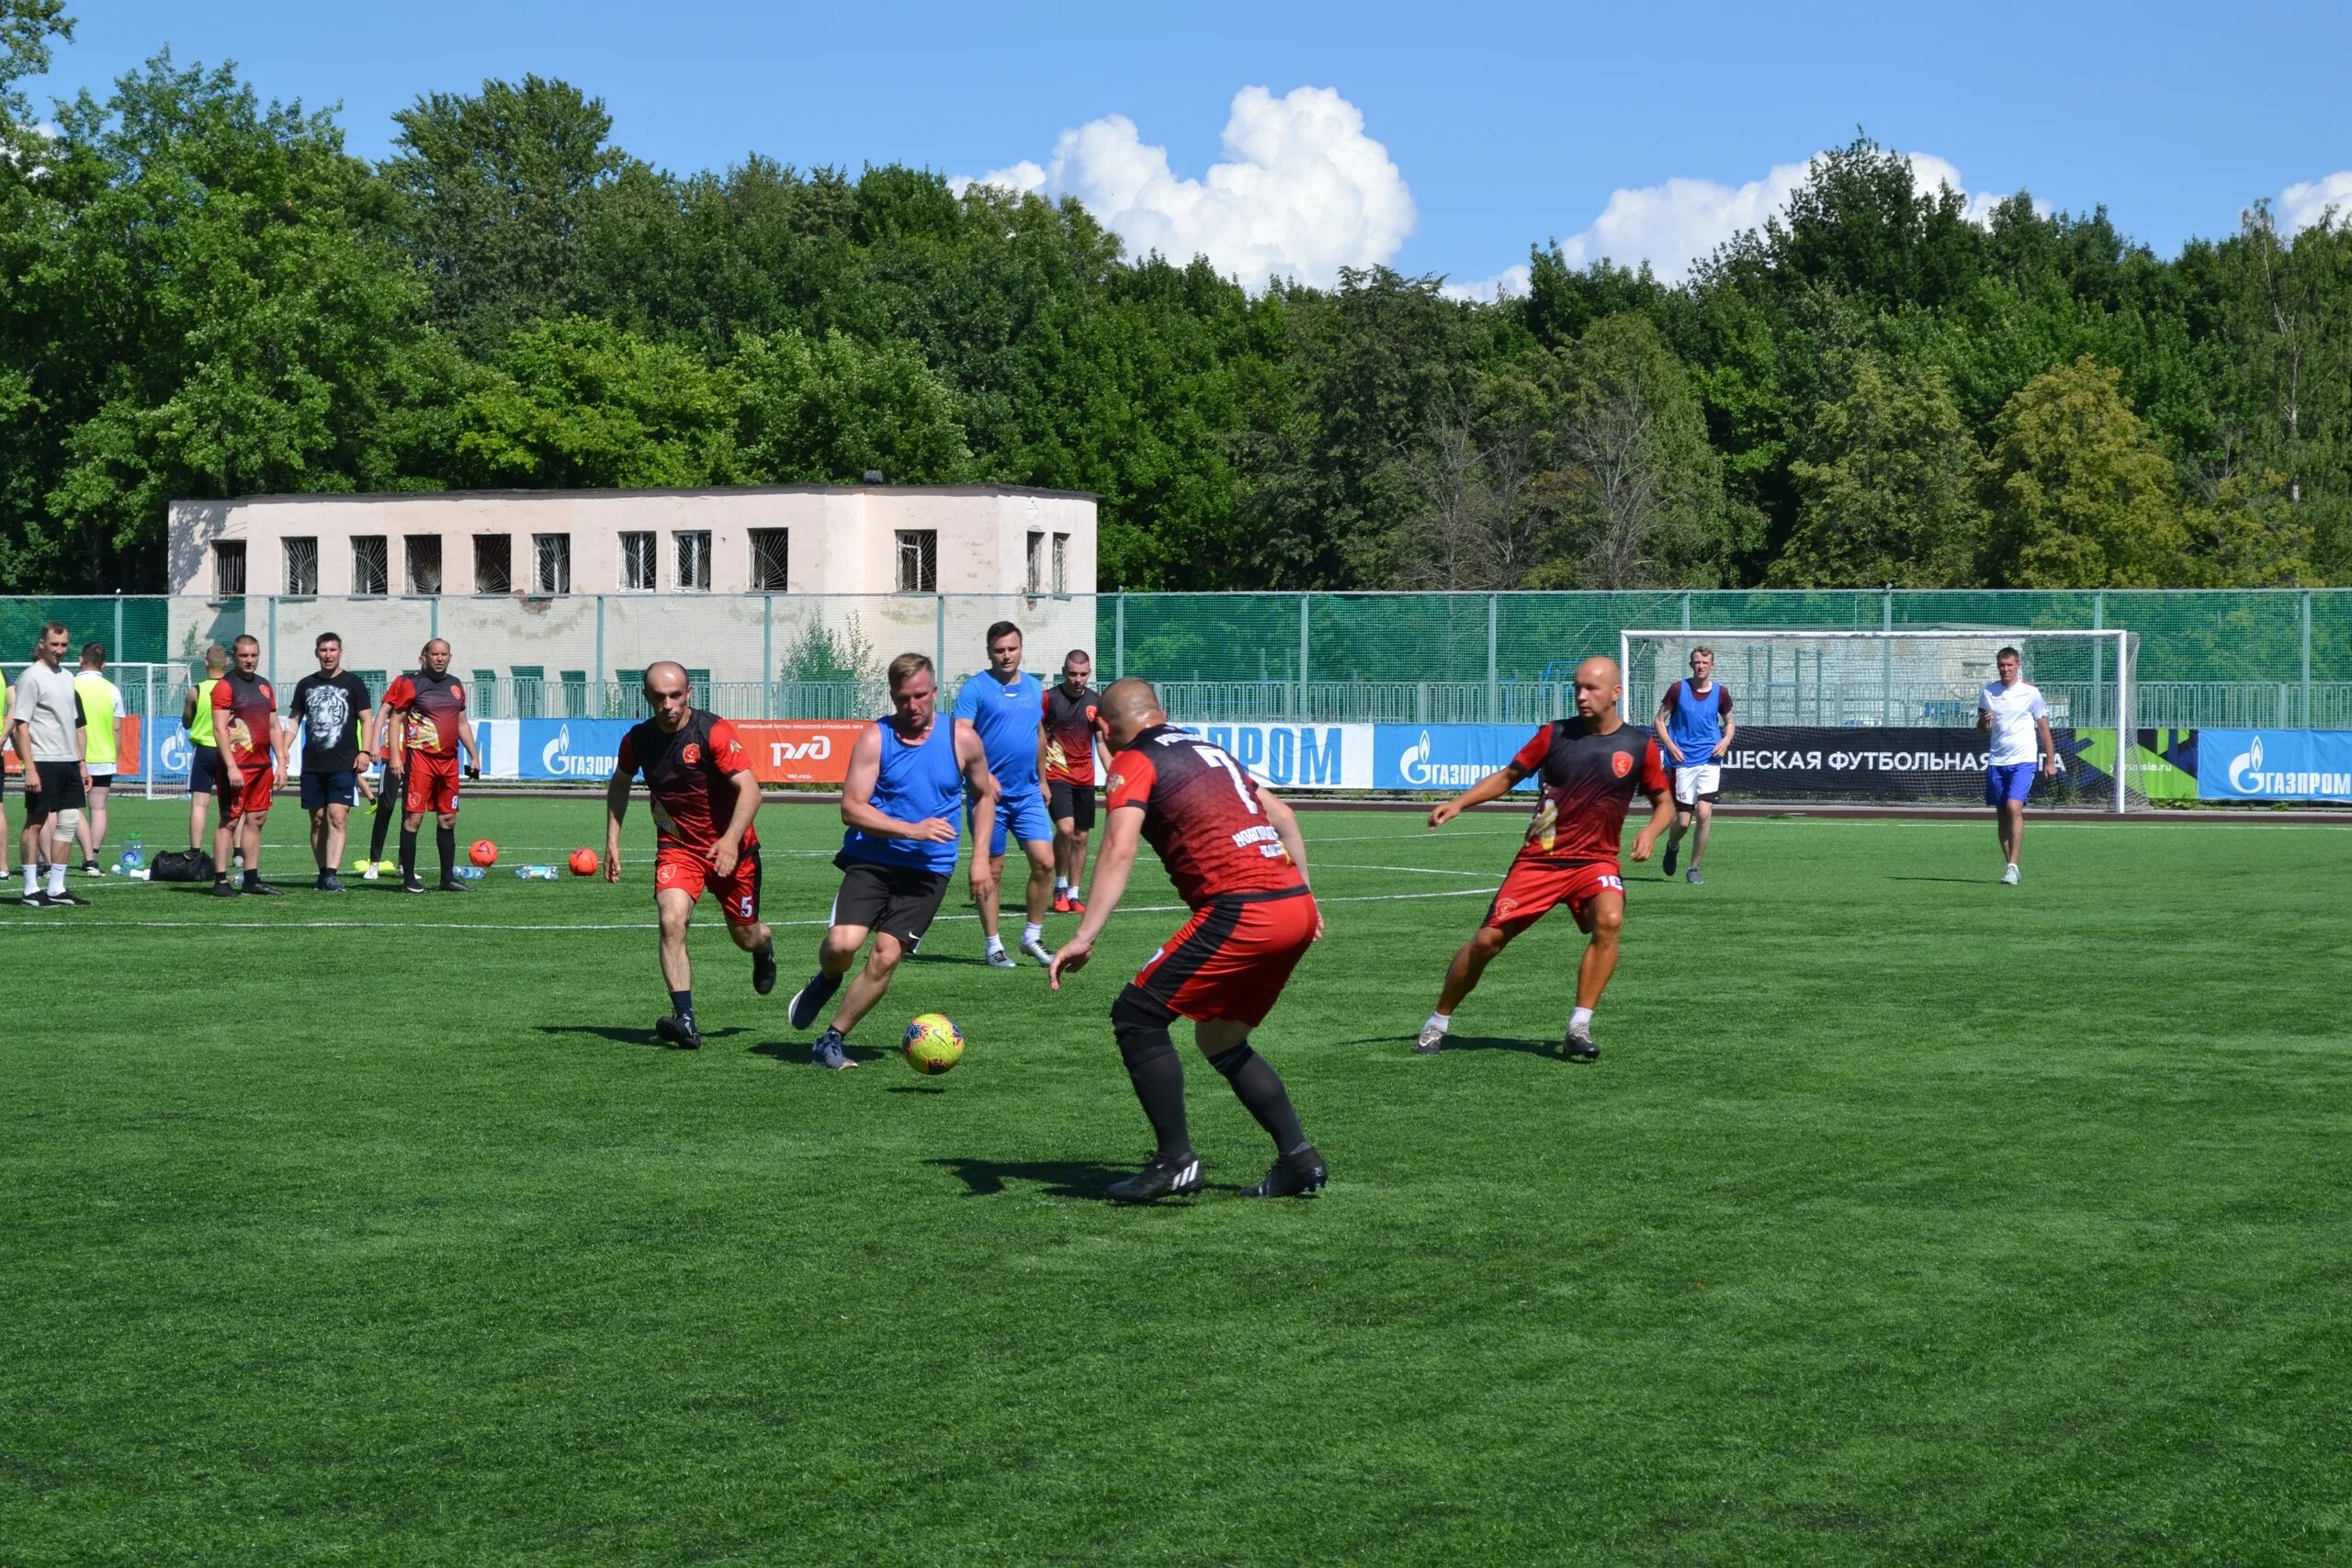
(202, 294)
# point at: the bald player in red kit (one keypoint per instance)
(1235, 854)
(1589, 768)
(704, 795)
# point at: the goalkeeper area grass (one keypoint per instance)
(1906, 1218)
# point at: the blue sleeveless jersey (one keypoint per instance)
(1695, 720)
(916, 781)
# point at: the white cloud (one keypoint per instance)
(1676, 225)
(1303, 191)
(2303, 205)
(1511, 283)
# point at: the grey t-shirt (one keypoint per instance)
(44, 699)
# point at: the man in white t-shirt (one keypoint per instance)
(2012, 711)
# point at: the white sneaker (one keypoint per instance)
(2009, 876)
(1430, 1041)
(999, 959)
(1038, 951)
(370, 875)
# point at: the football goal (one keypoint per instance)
(1891, 716)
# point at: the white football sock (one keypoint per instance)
(1581, 1016)
(1440, 1021)
(57, 878)
(32, 879)
(1032, 932)
(996, 944)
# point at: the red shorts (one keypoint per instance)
(1533, 887)
(432, 783)
(252, 797)
(1232, 958)
(675, 865)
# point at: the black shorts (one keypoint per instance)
(338, 786)
(61, 790)
(1073, 803)
(203, 771)
(902, 901)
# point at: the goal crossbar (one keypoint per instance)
(2119, 638)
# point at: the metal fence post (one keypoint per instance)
(1300, 713)
(595, 694)
(2307, 658)
(939, 635)
(2098, 673)
(767, 652)
(272, 671)
(1494, 666)
(118, 654)
(1119, 637)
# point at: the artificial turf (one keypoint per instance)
(1906, 1218)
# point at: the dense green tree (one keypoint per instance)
(1886, 489)
(579, 405)
(828, 411)
(2080, 494)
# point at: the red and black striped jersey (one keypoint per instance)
(1586, 781)
(429, 709)
(690, 772)
(243, 708)
(1069, 733)
(1200, 813)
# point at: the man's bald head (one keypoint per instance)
(667, 694)
(1129, 707)
(1597, 687)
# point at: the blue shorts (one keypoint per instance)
(320, 791)
(1023, 814)
(2006, 781)
(203, 771)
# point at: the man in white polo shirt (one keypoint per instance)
(2012, 710)
(45, 720)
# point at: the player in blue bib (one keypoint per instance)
(1694, 730)
(1006, 708)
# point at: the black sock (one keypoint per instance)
(1259, 1086)
(444, 840)
(253, 876)
(408, 853)
(683, 1004)
(1159, 1078)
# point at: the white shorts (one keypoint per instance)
(1695, 785)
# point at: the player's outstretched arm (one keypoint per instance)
(1112, 869)
(1494, 786)
(2051, 765)
(615, 808)
(1661, 818)
(466, 742)
(1658, 727)
(1284, 822)
(973, 758)
(730, 848)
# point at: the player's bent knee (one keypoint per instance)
(1138, 1013)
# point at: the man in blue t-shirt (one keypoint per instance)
(1694, 730)
(1007, 708)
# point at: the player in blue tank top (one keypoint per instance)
(1007, 708)
(1694, 729)
(906, 773)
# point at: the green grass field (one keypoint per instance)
(1906, 1219)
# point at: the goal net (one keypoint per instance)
(1864, 716)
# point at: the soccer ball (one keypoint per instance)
(583, 863)
(933, 1043)
(484, 852)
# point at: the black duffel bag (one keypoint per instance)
(181, 865)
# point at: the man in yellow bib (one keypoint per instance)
(102, 714)
(204, 760)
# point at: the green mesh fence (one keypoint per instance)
(2267, 658)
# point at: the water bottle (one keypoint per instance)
(471, 873)
(536, 873)
(134, 855)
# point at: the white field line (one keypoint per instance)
(28, 919)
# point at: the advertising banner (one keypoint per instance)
(578, 751)
(1449, 757)
(788, 751)
(1893, 763)
(2273, 764)
(1298, 756)
(165, 750)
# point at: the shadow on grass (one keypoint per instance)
(1969, 881)
(1057, 1179)
(620, 1036)
(1463, 1043)
(797, 1054)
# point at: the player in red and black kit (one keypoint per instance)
(1235, 854)
(704, 795)
(1069, 775)
(1589, 768)
(252, 759)
(427, 713)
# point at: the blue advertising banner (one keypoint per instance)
(2273, 764)
(1298, 756)
(164, 750)
(1442, 756)
(581, 750)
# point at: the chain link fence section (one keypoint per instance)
(2270, 657)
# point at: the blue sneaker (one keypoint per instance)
(828, 1052)
(812, 998)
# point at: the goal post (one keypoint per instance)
(1890, 715)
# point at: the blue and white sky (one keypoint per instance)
(1300, 137)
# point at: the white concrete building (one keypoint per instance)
(565, 590)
